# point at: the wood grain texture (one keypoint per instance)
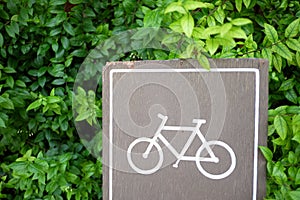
(229, 110)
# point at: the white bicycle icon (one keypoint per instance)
(153, 142)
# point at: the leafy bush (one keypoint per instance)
(43, 43)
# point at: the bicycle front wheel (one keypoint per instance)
(139, 161)
(215, 170)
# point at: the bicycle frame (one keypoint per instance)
(180, 155)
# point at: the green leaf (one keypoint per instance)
(212, 45)
(51, 172)
(187, 24)
(10, 31)
(64, 157)
(219, 15)
(51, 186)
(68, 28)
(283, 51)
(297, 137)
(292, 158)
(79, 53)
(54, 46)
(225, 28)
(175, 6)
(81, 91)
(192, 5)
(199, 33)
(10, 82)
(42, 81)
(28, 193)
(41, 71)
(292, 171)
(71, 177)
(9, 70)
(277, 62)
(52, 93)
(53, 99)
(298, 58)
(281, 126)
(2, 123)
(57, 70)
(240, 21)
(20, 166)
(271, 33)
(34, 104)
(3, 14)
(64, 125)
(296, 124)
(6, 103)
(187, 53)
(129, 5)
(291, 96)
(247, 3)
(292, 29)
(267, 153)
(287, 84)
(160, 55)
(57, 2)
(83, 116)
(267, 54)
(68, 62)
(140, 34)
(35, 168)
(210, 21)
(238, 5)
(43, 48)
(176, 26)
(52, 22)
(153, 18)
(88, 25)
(171, 38)
(75, 1)
(1, 40)
(294, 195)
(249, 42)
(293, 110)
(293, 44)
(203, 60)
(54, 32)
(279, 173)
(58, 82)
(226, 42)
(89, 12)
(297, 179)
(271, 129)
(26, 48)
(213, 30)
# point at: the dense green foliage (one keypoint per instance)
(43, 43)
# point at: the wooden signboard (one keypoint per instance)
(175, 131)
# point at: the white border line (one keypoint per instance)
(256, 129)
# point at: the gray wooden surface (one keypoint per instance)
(229, 110)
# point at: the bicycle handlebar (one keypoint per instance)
(162, 116)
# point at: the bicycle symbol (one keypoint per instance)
(153, 142)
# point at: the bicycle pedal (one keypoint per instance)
(175, 165)
(145, 155)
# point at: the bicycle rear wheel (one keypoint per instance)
(219, 174)
(144, 161)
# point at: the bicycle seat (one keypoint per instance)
(201, 121)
